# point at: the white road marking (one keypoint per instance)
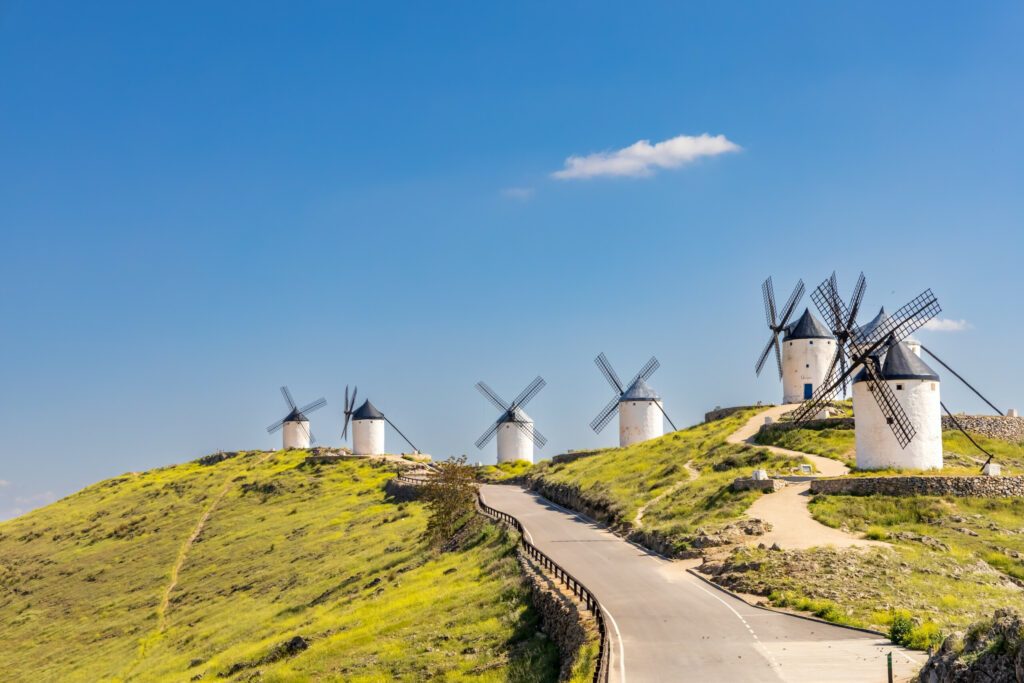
(622, 649)
(768, 655)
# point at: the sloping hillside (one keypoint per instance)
(257, 566)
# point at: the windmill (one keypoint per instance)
(776, 324)
(896, 395)
(845, 317)
(517, 435)
(368, 427)
(640, 409)
(296, 434)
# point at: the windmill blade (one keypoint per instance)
(538, 438)
(906, 320)
(489, 434)
(826, 392)
(609, 372)
(348, 406)
(794, 299)
(315, 405)
(351, 406)
(858, 296)
(603, 417)
(288, 397)
(778, 355)
(491, 396)
(274, 427)
(344, 429)
(646, 371)
(826, 299)
(842, 363)
(890, 406)
(527, 394)
(411, 445)
(764, 355)
(768, 294)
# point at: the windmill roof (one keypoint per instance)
(807, 327)
(518, 416)
(296, 416)
(902, 363)
(640, 391)
(867, 328)
(367, 411)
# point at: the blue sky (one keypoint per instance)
(200, 202)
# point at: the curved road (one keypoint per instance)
(668, 625)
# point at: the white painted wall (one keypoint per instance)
(639, 421)
(295, 435)
(877, 447)
(804, 361)
(368, 437)
(514, 443)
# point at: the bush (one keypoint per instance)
(450, 497)
(900, 627)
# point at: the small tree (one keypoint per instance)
(450, 497)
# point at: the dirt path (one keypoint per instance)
(786, 510)
(691, 474)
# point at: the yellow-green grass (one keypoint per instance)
(941, 591)
(989, 530)
(960, 456)
(681, 480)
(504, 471)
(287, 550)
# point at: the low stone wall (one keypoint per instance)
(568, 623)
(992, 426)
(402, 491)
(572, 456)
(979, 487)
(719, 413)
(571, 497)
(751, 484)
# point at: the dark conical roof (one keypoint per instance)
(640, 391)
(515, 415)
(807, 327)
(367, 411)
(902, 363)
(296, 416)
(867, 328)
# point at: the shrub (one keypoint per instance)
(900, 627)
(450, 497)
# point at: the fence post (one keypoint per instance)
(889, 661)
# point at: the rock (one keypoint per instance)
(990, 651)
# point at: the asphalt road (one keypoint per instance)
(668, 625)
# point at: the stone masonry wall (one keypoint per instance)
(993, 426)
(569, 625)
(981, 487)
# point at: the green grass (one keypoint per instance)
(288, 550)
(503, 471)
(960, 456)
(654, 475)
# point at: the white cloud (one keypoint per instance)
(520, 193)
(642, 158)
(3, 483)
(946, 325)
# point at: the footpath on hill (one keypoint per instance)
(793, 527)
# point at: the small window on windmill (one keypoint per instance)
(899, 387)
(808, 365)
(934, 386)
(812, 342)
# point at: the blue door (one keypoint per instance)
(808, 391)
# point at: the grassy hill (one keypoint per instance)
(669, 487)
(257, 566)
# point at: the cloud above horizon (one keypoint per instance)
(520, 193)
(946, 325)
(642, 159)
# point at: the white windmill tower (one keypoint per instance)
(516, 432)
(295, 425)
(917, 390)
(639, 407)
(896, 396)
(806, 350)
(367, 427)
